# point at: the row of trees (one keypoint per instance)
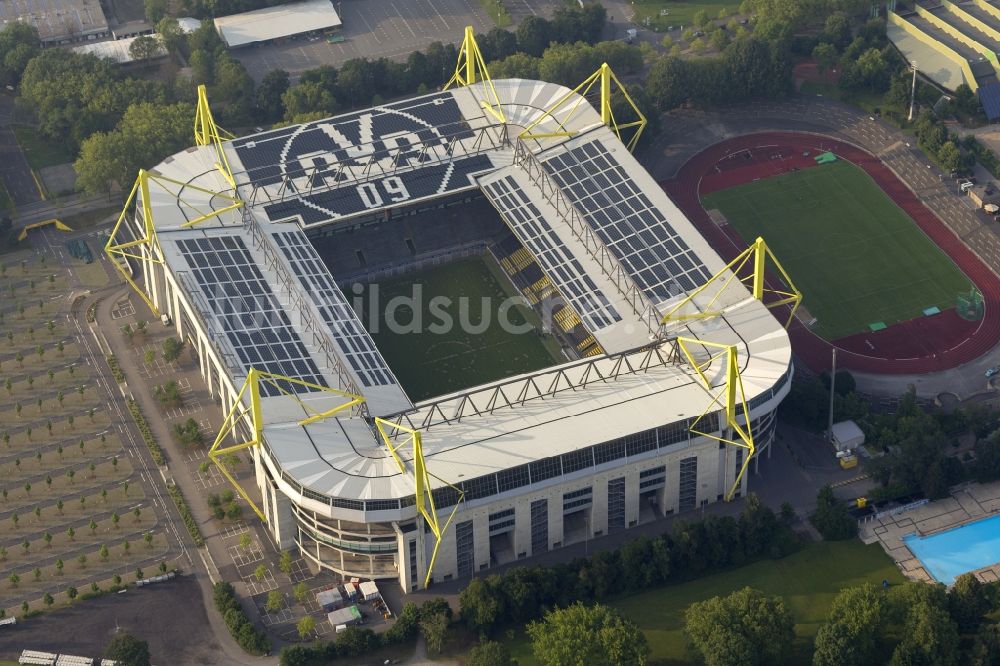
(692, 549)
(533, 596)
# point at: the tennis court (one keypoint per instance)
(857, 257)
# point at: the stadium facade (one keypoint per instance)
(643, 419)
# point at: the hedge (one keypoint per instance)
(250, 638)
(147, 434)
(182, 506)
(116, 369)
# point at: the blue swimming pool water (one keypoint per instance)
(947, 555)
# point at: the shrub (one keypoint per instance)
(189, 522)
(250, 638)
(147, 434)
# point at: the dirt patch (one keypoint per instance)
(170, 616)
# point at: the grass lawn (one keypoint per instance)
(856, 256)
(807, 580)
(679, 13)
(39, 151)
(432, 359)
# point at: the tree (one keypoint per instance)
(48, 600)
(155, 10)
(127, 650)
(853, 629)
(275, 601)
(145, 47)
(170, 32)
(301, 592)
(949, 156)
(306, 626)
(145, 135)
(831, 517)
(968, 602)
(434, 628)
(533, 35)
(745, 627)
(285, 562)
(587, 635)
(929, 637)
(172, 346)
(489, 653)
(19, 43)
(260, 572)
(269, 95)
(480, 603)
(71, 592)
(825, 55)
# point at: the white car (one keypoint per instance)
(992, 371)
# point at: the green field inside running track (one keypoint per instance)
(856, 256)
(430, 358)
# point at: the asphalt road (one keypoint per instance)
(14, 169)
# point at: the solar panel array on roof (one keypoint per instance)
(354, 341)
(569, 277)
(251, 316)
(627, 222)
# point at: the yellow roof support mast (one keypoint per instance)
(239, 412)
(471, 69)
(575, 99)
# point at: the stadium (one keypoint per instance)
(642, 379)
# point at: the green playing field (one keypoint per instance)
(432, 357)
(855, 255)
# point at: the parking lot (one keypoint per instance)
(380, 28)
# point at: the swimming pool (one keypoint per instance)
(947, 555)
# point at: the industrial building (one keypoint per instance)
(672, 401)
(58, 21)
(278, 22)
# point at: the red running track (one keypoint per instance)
(921, 345)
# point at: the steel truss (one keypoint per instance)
(319, 331)
(239, 412)
(378, 165)
(756, 257)
(470, 69)
(125, 250)
(538, 385)
(553, 194)
(397, 437)
(608, 82)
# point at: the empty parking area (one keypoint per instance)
(372, 29)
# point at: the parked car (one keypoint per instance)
(992, 371)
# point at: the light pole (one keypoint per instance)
(833, 381)
(913, 89)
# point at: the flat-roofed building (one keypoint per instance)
(58, 21)
(271, 23)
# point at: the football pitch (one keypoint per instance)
(444, 329)
(855, 255)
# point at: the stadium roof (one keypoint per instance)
(266, 299)
(57, 20)
(262, 25)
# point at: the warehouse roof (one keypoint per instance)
(263, 25)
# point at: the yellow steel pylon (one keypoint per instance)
(239, 412)
(756, 257)
(140, 189)
(206, 132)
(607, 79)
(731, 398)
(390, 433)
(470, 69)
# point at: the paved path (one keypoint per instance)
(688, 132)
(14, 169)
